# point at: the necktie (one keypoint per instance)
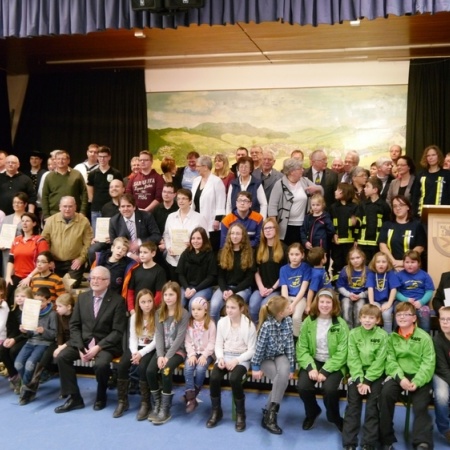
(131, 230)
(317, 180)
(97, 301)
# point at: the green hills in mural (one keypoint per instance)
(211, 138)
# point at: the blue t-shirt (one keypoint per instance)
(382, 284)
(294, 277)
(355, 285)
(414, 285)
(319, 279)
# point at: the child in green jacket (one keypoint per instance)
(322, 356)
(410, 367)
(366, 361)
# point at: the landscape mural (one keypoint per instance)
(366, 118)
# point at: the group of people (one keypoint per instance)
(222, 266)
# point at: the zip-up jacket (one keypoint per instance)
(337, 339)
(413, 358)
(367, 351)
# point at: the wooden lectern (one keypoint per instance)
(437, 222)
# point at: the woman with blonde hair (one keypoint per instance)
(222, 170)
(270, 257)
(236, 269)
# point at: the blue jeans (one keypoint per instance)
(350, 311)
(256, 301)
(27, 359)
(387, 317)
(205, 293)
(441, 399)
(217, 302)
(94, 216)
(194, 376)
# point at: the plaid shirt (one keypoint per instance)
(274, 339)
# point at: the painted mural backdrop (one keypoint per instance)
(368, 119)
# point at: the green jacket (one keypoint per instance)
(413, 357)
(367, 350)
(337, 346)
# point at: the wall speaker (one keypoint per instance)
(184, 4)
(165, 5)
(147, 5)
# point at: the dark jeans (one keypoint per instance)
(330, 388)
(63, 267)
(123, 369)
(235, 378)
(422, 426)
(352, 418)
(166, 373)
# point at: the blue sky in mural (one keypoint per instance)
(367, 118)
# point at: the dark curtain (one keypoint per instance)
(72, 110)
(428, 109)
(5, 120)
(22, 18)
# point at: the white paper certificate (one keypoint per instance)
(30, 314)
(7, 235)
(179, 239)
(102, 229)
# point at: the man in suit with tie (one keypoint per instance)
(351, 160)
(319, 174)
(136, 225)
(97, 326)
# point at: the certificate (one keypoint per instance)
(7, 235)
(30, 314)
(102, 229)
(180, 238)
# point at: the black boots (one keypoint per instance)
(164, 411)
(144, 408)
(240, 414)
(122, 394)
(270, 419)
(216, 413)
(156, 405)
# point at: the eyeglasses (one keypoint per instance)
(404, 315)
(242, 200)
(144, 160)
(444, 319)
(269, 228)
(97, 279)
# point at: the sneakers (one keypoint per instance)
(423, 446)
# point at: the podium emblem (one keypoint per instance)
(441, 238)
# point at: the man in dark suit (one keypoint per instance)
(97, 326)
(136, 225)
(319, 173)
(439, 296)
(350, 162)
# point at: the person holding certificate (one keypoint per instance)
(179, 226)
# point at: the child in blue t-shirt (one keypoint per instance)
(294, 280)
(319, 276)
(416, 287)
(351, 286)
(382, 284)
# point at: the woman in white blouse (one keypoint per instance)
(208, 193)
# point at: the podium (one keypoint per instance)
(437, 222)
